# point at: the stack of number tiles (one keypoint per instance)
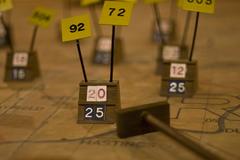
(21, 66)
(98, 101)
(179, 78)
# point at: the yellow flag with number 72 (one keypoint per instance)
(116, 13)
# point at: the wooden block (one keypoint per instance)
(98, 101)
(22, 66)
(102, 51)
(168, 29)
(18, 74)
(180, 78)
(170, 52)
(178, 88)
(131, 123)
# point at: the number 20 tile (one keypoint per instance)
(96, 93)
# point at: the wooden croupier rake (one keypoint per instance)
(153, 117)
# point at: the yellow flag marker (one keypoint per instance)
(42, 17)
(204, 6)
(116, 13)
(179, 3)
(5, 5)
(88, 2)
(74, 28)
(153, 1)
(133, 1)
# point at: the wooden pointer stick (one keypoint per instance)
(35, 29)
(112, 53)
(95, 20)
(81, 61)
(158, 19)
(186, 28)
(188, 143)
(194, 36)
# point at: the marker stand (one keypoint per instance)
(168, 31)
(102, 52)
(102, 48)
(179, 78)
(98, 101)
(170, 52)
(4, 35)
(22, 67)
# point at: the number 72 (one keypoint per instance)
(120, 13)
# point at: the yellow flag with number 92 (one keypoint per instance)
(76, 27)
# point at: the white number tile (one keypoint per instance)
(96, 93)
(171, 52)
(20, 59)
(104, 44)
(178, 70)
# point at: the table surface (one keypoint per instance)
(39, 122)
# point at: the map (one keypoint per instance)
(38, 120)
